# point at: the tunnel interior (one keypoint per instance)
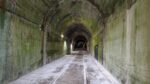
(80, 43)
(36, 32)
(78, 37)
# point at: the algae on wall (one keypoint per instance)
(4, 42)
(126, 44)
(97, 41)
(141, 43)
(20, 46)
(23, 48)
(2, 45)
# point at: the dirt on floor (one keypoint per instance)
(74, 75)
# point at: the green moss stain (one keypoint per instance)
(115, 44)
(1, 44)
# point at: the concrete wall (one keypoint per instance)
(20, 43)
(98, 41)
(55, 50)
(20, 47)
(127, 44)
(2, 45)
(21, 40)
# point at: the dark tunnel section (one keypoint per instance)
(78, 38)
(80, 43)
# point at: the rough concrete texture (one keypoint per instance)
(20, 39)
(21, 45)
(127, 44)
(2, 44)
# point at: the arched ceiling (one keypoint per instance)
(77, 30)
(62, 13)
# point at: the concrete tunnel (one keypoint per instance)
(74, 42)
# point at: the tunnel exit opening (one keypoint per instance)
(80, 43)
(78, 38)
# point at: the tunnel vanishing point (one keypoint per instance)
(74, 41)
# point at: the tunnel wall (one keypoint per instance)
(97, 41)
(20, 46)
(127, 44)
(20, 43)
(55, 46)
(2, 45)
(55, 50)
(21, 39)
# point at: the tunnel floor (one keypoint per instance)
(70, 69)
